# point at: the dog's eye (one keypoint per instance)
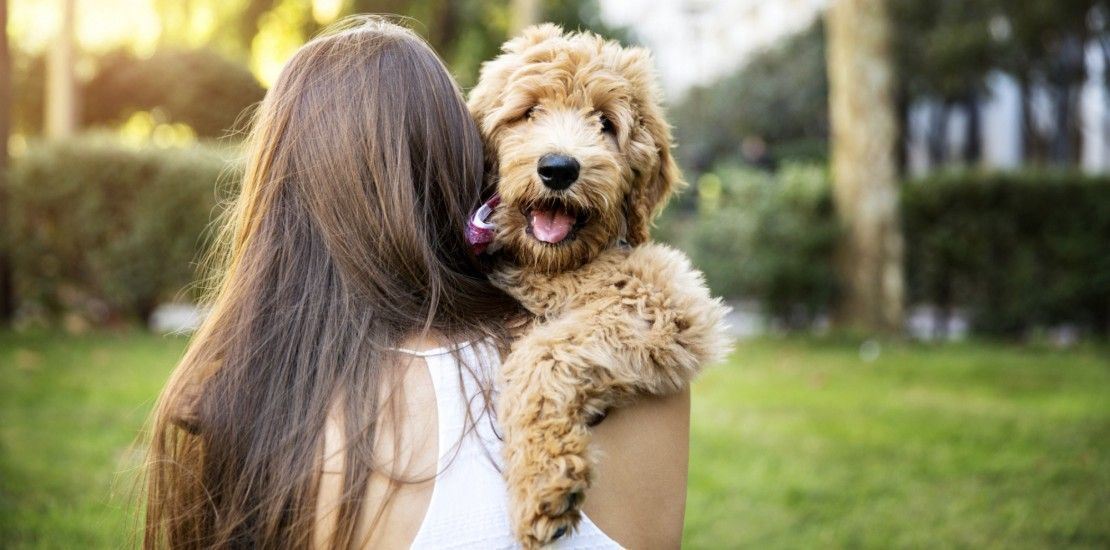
(607, 125)
(530, 113)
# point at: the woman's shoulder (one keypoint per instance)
(638, 497)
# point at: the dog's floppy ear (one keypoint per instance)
(650, 193)
(658, 175)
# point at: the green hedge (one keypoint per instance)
(1014, 250)
(108, 231)
(1011, 251)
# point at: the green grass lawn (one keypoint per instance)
(796, 444)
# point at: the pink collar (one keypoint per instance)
(479, 230)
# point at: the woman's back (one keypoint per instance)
(465, 505)
(347, 235)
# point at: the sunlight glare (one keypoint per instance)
(279, 36)
(325, 11)
(100, 24)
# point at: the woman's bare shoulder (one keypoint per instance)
(405, 454)
(638, 497)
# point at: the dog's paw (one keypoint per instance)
(548, 504)
(550, 520)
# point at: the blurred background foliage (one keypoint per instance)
(1003, 232)
(111, 231)
(220, 55)
(943, 50)
(110, 222)
(754, 144)
(764, 236)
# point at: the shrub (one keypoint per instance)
(109, 231)
(766, 237)
(1015, 250)
(1011, 251)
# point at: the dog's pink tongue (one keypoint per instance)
(551, 226)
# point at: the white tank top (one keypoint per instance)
(468, 508)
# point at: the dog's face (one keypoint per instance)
(576, 140)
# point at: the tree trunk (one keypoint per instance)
(444, 31)
(1076, 78)
(1061, 141)
(61, 89)
(865, 187)
(524, 13)
(938, 134)
(973, 149)
(7, 293)
(1023, 118)
(901, 151)
(1031, 143)
(1075, 124)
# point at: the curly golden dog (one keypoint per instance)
(580, 156)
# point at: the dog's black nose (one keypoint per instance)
(557, 171)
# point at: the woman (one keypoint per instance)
(337, 395)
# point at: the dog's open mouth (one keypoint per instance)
(554, 221)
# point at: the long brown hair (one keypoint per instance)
(346, 238)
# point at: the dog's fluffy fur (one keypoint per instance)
(612, 321)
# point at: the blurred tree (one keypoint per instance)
(61, 84)
(207, 59)
(946, 48)
(468, 32)
(443, 23)
(584, 15)
(246, 25)
(943, 51)
(779, 97)
(865, 192)
(463, 32)
(1045, 45)
(209, 91)
(228, 26)
(28, 74)
(7, 298)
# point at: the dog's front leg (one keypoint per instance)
(559, 376)
(551, 384)
(648, 330)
